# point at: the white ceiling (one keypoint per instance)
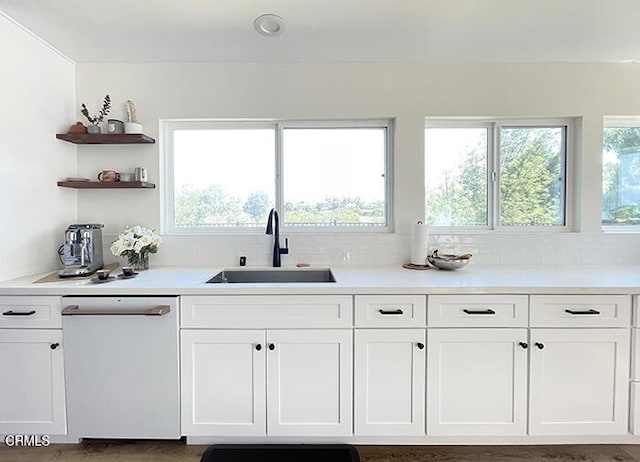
(336, 30)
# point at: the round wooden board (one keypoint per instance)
(416, 267)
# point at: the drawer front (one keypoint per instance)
(477, 310)
(266, 311)
(580, 311)
(390, 310)
(30, 312)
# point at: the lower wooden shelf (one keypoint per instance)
(106, 184)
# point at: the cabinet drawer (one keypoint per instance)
(30, 312)
(390, 310)
(265, 311)
(580, 311)
(477, 310)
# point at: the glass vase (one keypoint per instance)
(139, 262)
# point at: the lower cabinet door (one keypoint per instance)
(389, 382)
(309, 382)
(223, 382)
(477, 382)
(32, 396)
(579, 382)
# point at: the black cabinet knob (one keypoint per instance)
(53, 346)
(539, 345)
(272, 346)
(258, 347)
(420, 345)
(524, 345)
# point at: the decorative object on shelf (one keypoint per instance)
(135, 244)
(97, 119)
(132, 125)
(115, 126)
(77, 128)
(140, 174)
(108, 175)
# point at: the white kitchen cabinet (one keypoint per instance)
(32, 396)
(579, 381)
(477, 382)
(309, 382)
(223, 382)
(389, 382)
(233, 379)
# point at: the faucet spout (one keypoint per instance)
(273, 227)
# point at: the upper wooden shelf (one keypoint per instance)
(91, 138)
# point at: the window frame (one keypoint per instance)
(616, 121)
(167, 196)
(493, 126)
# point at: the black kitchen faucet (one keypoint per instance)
(277, 251)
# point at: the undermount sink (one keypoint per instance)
(266, 276)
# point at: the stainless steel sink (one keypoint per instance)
(277, 276)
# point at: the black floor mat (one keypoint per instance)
(280, 453)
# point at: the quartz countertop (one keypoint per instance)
(387, 279)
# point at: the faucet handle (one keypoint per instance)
(285, 250)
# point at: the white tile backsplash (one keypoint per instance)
(376, 249)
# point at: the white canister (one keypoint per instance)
(132, 127)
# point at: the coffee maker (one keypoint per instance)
(81, 253)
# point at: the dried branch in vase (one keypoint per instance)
(96, 119)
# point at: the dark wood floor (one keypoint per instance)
(154, 451)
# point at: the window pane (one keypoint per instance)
(334, 176)
(456, 176)
(531, 170)
(621, 176)
(223, 177)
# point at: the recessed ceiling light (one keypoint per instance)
(269, 25)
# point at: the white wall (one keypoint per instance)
(37, 100)
(407, 92)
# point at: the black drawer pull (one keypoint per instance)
(398, 311)
(420, 345)
(539, 345)
(19, 313)
(524, 345)
(53, 346)
(588, 312)
(272, 346)
(258, 347)
(487, 311)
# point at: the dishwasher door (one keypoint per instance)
(122, 367)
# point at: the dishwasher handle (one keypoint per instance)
(73, 310)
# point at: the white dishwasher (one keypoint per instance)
(122, 367)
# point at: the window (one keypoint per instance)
(319, 175)
(503, 174)
(621, 173)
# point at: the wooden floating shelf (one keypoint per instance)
(97, 138)
(106, 184)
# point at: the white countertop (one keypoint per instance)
(525, 279)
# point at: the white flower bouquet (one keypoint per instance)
(136, 243)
